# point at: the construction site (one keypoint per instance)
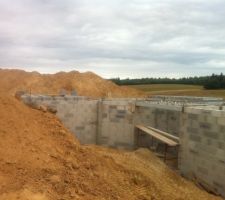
(75, 135)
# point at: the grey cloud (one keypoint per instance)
(114, 38)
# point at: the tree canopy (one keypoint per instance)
(209, 82)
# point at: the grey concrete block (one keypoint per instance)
(203, 170)
(129, 119)
(80, 128)
(209, 142)
(124, 145)
(112, 107)
(103, 140)
(195, 138)
(222, 128)
(221, 121)
(121, 112)
(221, 145)
(192, 116)
(114, 120)
(211, 134)
(220, 154)
(208, 112)
(120, 116)
(218, 185)
(69, 115)
(204, 125)
(192, 130)
(193, 151)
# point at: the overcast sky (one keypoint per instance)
(117, 38)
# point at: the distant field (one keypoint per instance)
(165, 87)
(178, 90)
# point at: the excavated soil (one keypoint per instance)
(42, 160)
(85, 84)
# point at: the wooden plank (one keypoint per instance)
(157, 135)
(172, 137)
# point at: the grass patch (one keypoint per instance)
(178, 90)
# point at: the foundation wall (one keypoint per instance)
(202, 155)
(116, 123)
(164, 117)
(111, 122)
(81, 118)
(79, 114)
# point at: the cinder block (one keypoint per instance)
(211, 134)
(69, 115)
(192, 130)
(221, 129)
(195, 138)
(208, 142)
(218, 113)
(104, 115)
(220, 154)
(221, 145)
(205, 125)
(219, 186)
(112, 107)
(80, 128)
(192, 116)
(208, 112)
(202, 170)
(221, 121)
(207, 152)
(193, 151)
(120, 116)
(192, 123)
(121, 111)
(115, 120)
(192, 110)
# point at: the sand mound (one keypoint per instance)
(85, 84)
(41, 160)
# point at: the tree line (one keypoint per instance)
(208, 82)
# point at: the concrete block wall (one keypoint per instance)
(116, 125)
(163, 117)
(202, 155)
(110, 122)
(187, 100)
(79, 114)
(81, 118)
(117, 119)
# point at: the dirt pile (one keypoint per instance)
(41, 160)
(85, 84)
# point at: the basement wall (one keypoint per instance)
(111, 122)
(202, 149)
(116, 123)
(79, 114)
(161, 116)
